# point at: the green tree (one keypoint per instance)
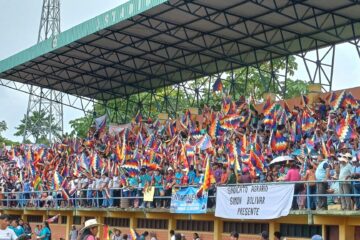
(251, 81)
(39, 123)
(3, 127)
(81, 126)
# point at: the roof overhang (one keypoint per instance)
(143, 45)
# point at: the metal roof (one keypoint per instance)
(146, 44)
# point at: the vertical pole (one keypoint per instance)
(286, 73)
(308, 196)
(332, 68)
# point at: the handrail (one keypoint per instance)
(92, 197)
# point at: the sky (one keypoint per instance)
(19, 24)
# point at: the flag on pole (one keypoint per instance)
(53, 219)
(134, 235)
(100, 123)
(218, 86)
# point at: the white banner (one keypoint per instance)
(254, 201)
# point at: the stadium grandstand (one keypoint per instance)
(236, 169)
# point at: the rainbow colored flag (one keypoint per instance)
(208, 179)
(324, 149)
(218, 86)
(65, 195)
(231, 121)
(344, 130)
(214, 129)
(308, 122)
(57, 180)
(138, 118)
(204, 143)
(256, 161)
(37, 183)
(134, 235)
(131, 167)
(278, 142)
(337, 101)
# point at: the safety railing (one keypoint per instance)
(313, 194)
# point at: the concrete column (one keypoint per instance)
(346, 232)
(100, 219)
(172, 225)
(218, 229)
(133, 222)
(69, 223)
(273, 227)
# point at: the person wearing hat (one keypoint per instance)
(90, 230)
(345, 187)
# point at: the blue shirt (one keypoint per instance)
(191, 176)
(143, 180)
(18, 230)
(178, 177)
(27, 186)
(45, 232)
(356, 170)
(133, 182)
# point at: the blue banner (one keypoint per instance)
(186, 200)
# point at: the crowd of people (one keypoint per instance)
(239, 142)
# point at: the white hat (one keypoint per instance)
(354, 159)
(89, 224)
(348, 155)
(170, 169)
(342, 159)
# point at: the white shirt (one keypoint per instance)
(116, 182)
(84, 182)
(172, 237)
(98, 182)
(105, 181)
(7, 234)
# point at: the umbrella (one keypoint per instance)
(281, 159)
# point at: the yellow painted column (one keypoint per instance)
(323, 231)
(218, 228)
(133, 222)
(69, 224)
(172, 225)
(273, 227)
(100, 219)
(346, 232)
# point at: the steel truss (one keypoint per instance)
(170, 56)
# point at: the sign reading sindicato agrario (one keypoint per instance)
(254, 201)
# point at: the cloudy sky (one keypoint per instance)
(19, 23)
